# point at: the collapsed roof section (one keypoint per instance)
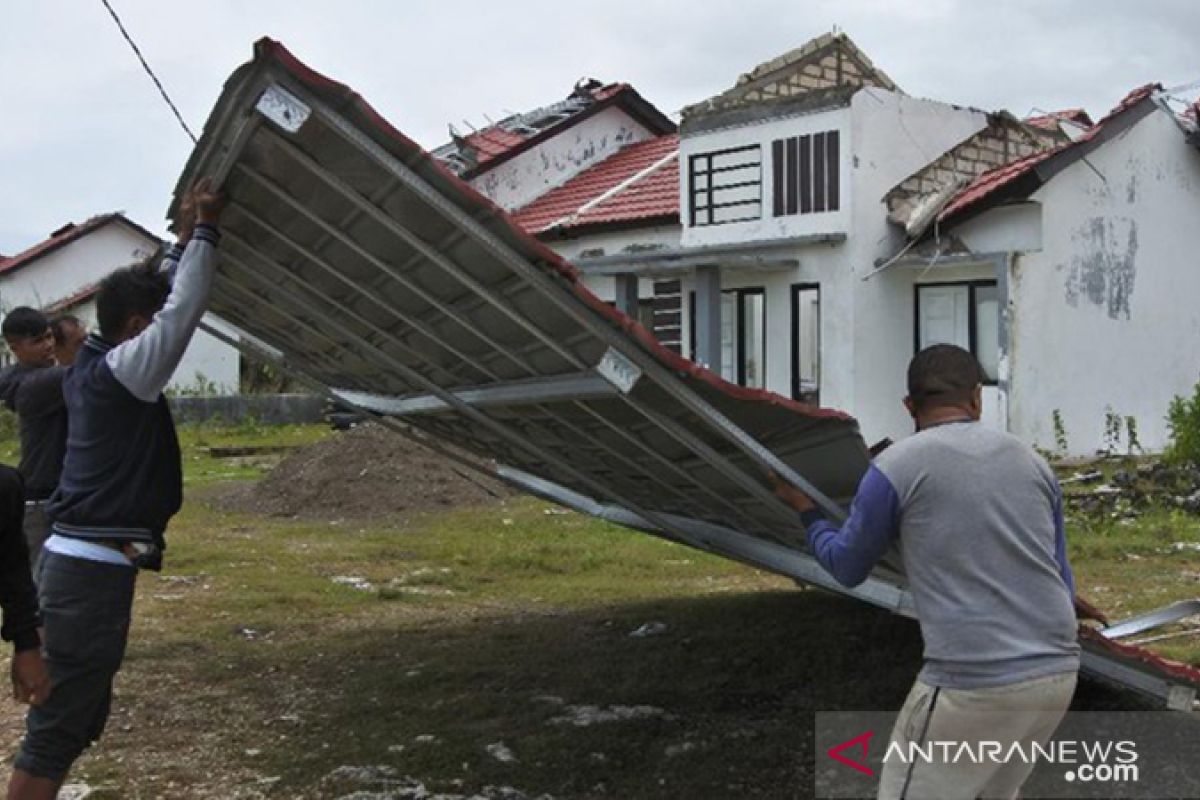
(824, 71)
(385, 279)
(915, 202)
(472, 154)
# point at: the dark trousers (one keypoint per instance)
(86, 607)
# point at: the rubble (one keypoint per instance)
(1131, 490)
(585, 716)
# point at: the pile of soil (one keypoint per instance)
(366, 471)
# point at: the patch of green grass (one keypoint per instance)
(199, 467)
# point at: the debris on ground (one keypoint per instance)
(584, 716)
(364, 774)
(354, 582)
(501, 752)
(386, 784)
(1130, 489)
(363, 472)
(649, 629)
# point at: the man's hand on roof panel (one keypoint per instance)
(208, 201)
(790, 494)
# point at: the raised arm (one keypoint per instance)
(145, 363)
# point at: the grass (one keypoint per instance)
(256, 668)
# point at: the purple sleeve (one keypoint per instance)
(850, 553)
(1060, 541)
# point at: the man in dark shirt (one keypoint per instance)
(31, 680)
(33, 389)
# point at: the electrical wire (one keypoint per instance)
(137, 52)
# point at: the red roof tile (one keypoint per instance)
(1050, 121)
(993, 180)
(653, 195)
(494, 141)
(64, 236)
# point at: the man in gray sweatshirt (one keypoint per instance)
(977, 516)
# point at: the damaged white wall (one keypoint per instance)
(521, 179)
(1104, 316)
(66, 271)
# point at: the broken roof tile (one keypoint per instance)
(1051, 119)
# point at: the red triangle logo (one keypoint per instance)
(863, 740)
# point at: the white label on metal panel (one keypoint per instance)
(279, 106)
(618, 370)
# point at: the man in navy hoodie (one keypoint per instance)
(121, 483)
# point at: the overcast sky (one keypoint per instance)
(83, 130)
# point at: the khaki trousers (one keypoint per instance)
(1026, 712)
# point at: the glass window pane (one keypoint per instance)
(753, 317)
(729, 337)
(807, 339)
(987, 329)
(944, 316)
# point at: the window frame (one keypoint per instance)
(796, 290)
(813, 184)
(972, 313)
(739, 326)
(708, 190)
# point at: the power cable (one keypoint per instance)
(150, 72)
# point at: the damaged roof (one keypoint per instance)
(473, 154)
(638, 184)
(1021, 178)
(1051, 120)
(830, 68)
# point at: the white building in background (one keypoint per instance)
(60, 276)
(810, 229)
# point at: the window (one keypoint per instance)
(725, 186)
(966, 314)
(666, 316)
(806, 343)
(805, 175)
(743, 336)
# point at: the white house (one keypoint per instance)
(812, 227)
(1093, 248)
(60, 276)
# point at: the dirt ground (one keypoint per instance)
(365, 472)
